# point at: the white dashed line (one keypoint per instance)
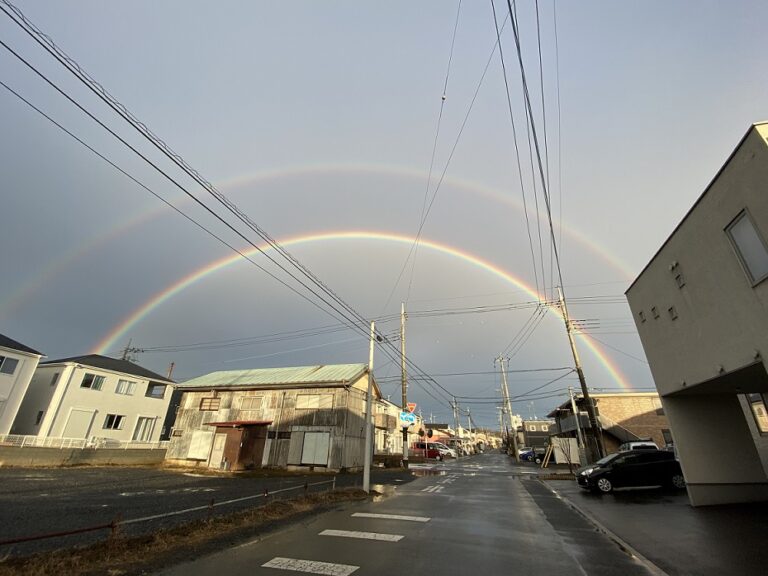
(310, 566)
(391, 517)
(362, 535)
(433, 489)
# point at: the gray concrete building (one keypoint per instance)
(701, 309)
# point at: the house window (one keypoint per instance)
(144, 428)
(155, 391)
(749, 246)
(531, 428)
(544, 428)
(759, 411)
(278, 435)
(210, 404)
(54, 379)
(314, 401)
(92, 381)
(126, 387)
(8, 365)
(251, 403)
(113, 422)
(39, 417)
(176, 432)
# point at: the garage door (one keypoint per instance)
(315, 450)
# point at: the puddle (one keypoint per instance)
(428, 472)
(382, 491)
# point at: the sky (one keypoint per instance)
(319, 120)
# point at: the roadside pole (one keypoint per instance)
(505, 389)
(582, 447)
(369, 423)
(404, 382)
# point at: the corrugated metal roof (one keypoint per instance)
(266, 377)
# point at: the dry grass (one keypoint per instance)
(123, 556)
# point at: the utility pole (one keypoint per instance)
(456, 428)
(501, 420)
(404, 381)
(368, 414)
(584, 391)
(505, 392)
(130, 353)
(170, 369)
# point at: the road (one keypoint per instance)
(478, 515)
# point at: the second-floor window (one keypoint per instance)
(92, 381)
(8, 365)
(749, 246)
(126, 387)
(155, 390)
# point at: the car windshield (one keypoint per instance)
(606, 459)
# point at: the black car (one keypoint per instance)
(635, 468)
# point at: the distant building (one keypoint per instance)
(94, 397)
(622, 416)
(17, 365)
(701, 309)
(536, 432)
(302, 417)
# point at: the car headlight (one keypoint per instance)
(587, 472)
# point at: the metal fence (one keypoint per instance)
(21, 441)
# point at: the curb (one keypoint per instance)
(620, 542)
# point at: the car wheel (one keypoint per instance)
(604, 485)
(678, 481)
(538, 459)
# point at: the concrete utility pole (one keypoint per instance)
(584, 391)
(456, 428)
(582, 446)
(368, 413)
(404, 381)
(508, 401)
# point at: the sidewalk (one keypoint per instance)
(677, 538)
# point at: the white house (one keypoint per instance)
(701, 309)
(17, 365)
(94, 397)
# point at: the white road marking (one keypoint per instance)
(433, 489)
(310, 566)
(391, 517)
(362, 535)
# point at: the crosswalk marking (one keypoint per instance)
(362, 535)
(433, 489)
(392, 517)
(310, 566)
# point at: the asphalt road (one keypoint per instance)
(681, 540)
(477, 515)
(36, 501)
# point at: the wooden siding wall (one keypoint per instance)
(344, 419)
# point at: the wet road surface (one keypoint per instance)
(478, 515)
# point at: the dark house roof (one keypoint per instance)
(107, 363)
(13, 345)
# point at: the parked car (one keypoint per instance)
(630, 469)
(436, 450)
(532, 455)
(638, 445)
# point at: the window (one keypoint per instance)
(144, 428)
(210, 404)
(314, 401)
(251, 403)
(39, 417)
(544, 428)
(749, 246)
(531, 428)
(92, 381)
(113, 422)
(759, 411)
(155, 390)
(126, 387)
(8, 365)
(279, 435)
(176, 432)
(54, 379)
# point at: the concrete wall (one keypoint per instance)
(14, 386)
(29, 457)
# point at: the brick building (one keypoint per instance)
(623, 417)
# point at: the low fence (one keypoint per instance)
(21, 441)
(209, 507)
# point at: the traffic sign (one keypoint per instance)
(407, 419)
(411, 407)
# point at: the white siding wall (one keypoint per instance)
(14, 386)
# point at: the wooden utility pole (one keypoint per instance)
(600, 450)
(404, 381)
